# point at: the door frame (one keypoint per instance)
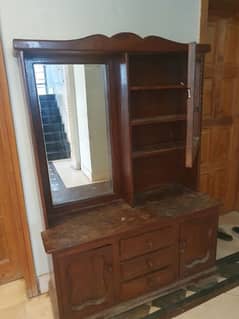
(204, 21)
(7, 127)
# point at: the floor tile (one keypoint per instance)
(225, 248)
(234, 292)
(224, 306)
(14, 312)
(12, 294)
(231, 218)
(39, 308)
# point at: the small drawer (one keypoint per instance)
(151, 282)
(142, 265)
(147, 242)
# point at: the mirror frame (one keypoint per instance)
(52, 210)
(95, 48)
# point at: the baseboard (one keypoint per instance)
(43, 281)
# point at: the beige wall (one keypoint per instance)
(82, 119)
(69, 19)
(97, 110)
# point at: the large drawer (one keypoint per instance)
(150, 262)
(147, 242)
(153, 281)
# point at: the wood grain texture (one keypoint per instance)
(204, 21)
(224, 8)
(162, 65)
(17, 259)
(219, 170)
(195, 255)
(141, 252)
(93, 290)
(120, 42)
(147, 263)
(119, 218)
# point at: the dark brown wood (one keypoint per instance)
(153, 240)
(135, 250)
(224, 8)
(190, 105)
(159, 119)
(148, 104)
(157, 87)
(87, 281)
(139, 72)
(100, 43)
(149, 297)
(155, 150)
(147, 174)
(119, 218)
(152, 281)
(112, 251)
(149, 262)
(198, 243)
(126, 131)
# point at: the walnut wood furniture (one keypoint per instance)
(112, 252)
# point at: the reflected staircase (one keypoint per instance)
(56, 141)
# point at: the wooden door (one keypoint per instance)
(15, 248)
(10, 266)
(198, 244)
(86, 282)
(220, 139)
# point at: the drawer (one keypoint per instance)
(142, 265)
(151, 282)
(147, 242)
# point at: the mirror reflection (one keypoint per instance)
(74, 113)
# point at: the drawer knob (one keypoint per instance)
(110, 268)
(150, 244)
(149, 263)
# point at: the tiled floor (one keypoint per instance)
(15, 305)
(225, 306)
(225, 248)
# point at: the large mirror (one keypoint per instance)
(73, 106)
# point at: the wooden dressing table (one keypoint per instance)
(153, 231)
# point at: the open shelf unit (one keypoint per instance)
(157, 99)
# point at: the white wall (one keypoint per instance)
(82, 119)
(69, 19)
(96, 105)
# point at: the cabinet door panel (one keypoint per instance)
(86, 282)
(198, 244)
(194, 103)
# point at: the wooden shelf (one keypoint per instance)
(158, 149)
(159, 119)
(157, 87)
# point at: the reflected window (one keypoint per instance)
(74, 113)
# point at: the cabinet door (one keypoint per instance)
(86, 281)
(194, 103)
(198, 243)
